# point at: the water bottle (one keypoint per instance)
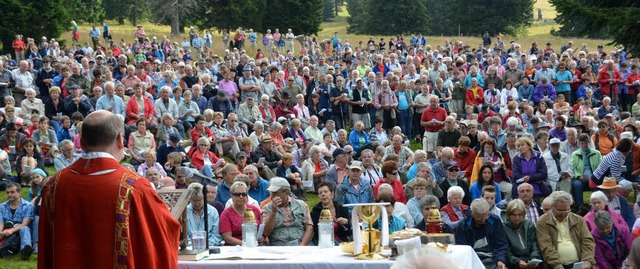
(249, 230)
(325, 229)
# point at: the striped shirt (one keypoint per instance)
(610, 166)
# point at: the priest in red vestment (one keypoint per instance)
(98, 214)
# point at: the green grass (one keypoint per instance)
(538, 31)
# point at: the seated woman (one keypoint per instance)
(296, 132)
(166, 128)
(454, 211)
(521, 235)
(395, 223)
(340, 214)
(491, 155)
(413, 205)
(140, 141)
(302, 111)
(232, 217)
(399, 208)
(257, 134)
(315, 168)
(149, 162)
(188, 110)
(31, 105)
(28, 160)
(224, 138)
(485, 179)
(195, 216)
(47, 141)
(598, 202)
(12, 142)
(612, 241)
(201, 131)
(204, 160)
(278, 140)
(427, 203)
(54, 106)
(358, 137)
(290, 172)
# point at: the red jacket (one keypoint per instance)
(448, 209)
(398, 190)
(198, 160)
(132, 108)
(603, 79)
(471, 99)
(466, 161)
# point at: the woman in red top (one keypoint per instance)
(454, 211)
(200, 131)
(132, 109)
(475, 95)
(204, 160)
(390, 176)
(232, 217)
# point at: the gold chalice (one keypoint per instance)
(371, 237)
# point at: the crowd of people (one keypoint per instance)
(505, 135)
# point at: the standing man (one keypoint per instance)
(18, 212)
(359, 100)
(339, 104)
(290, 41)
(432, 120)
(130, 226)
(94, 33)
(140, 34)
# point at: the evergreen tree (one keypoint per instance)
(47, 18)
(388, 18)
(92, 10)
(591, 18)
(231, 14)
(329, 9)
(302, 16)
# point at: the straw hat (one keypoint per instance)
(608, 183)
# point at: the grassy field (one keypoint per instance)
(539, 32)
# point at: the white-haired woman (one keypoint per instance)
(232, 217)
(187, 110)
(598, 201)
(257, 134)
(315, 168)
(195, 216)
(454, 211)
(31, 105)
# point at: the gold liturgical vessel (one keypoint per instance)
(371, 238)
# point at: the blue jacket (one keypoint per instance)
(492, 231)
(345, 194)
(260, 192)
(354, 139)
(213, 222)
(626, 211)
(476, 191)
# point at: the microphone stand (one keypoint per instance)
(204, 181)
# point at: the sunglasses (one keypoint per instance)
(394, 173)
(240, 194)
(454, 170)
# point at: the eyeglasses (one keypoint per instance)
(290, 80)
(233, 120)
(454, 170)
(240, 194)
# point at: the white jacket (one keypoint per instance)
(553, 174)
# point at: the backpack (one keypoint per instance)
(10, 245)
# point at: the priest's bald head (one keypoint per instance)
(103, 131)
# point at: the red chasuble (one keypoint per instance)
(98, 214)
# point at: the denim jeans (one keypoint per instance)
(405, 119)
(35, 223)
(207, 170)
(25, 237)
(55, 125)
(577, 190)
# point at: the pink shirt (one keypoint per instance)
(230, 221)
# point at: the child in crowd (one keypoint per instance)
(46, 139)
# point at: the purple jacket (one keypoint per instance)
(535, 168)
(616, 218)
(604, 253)
(540, 90)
